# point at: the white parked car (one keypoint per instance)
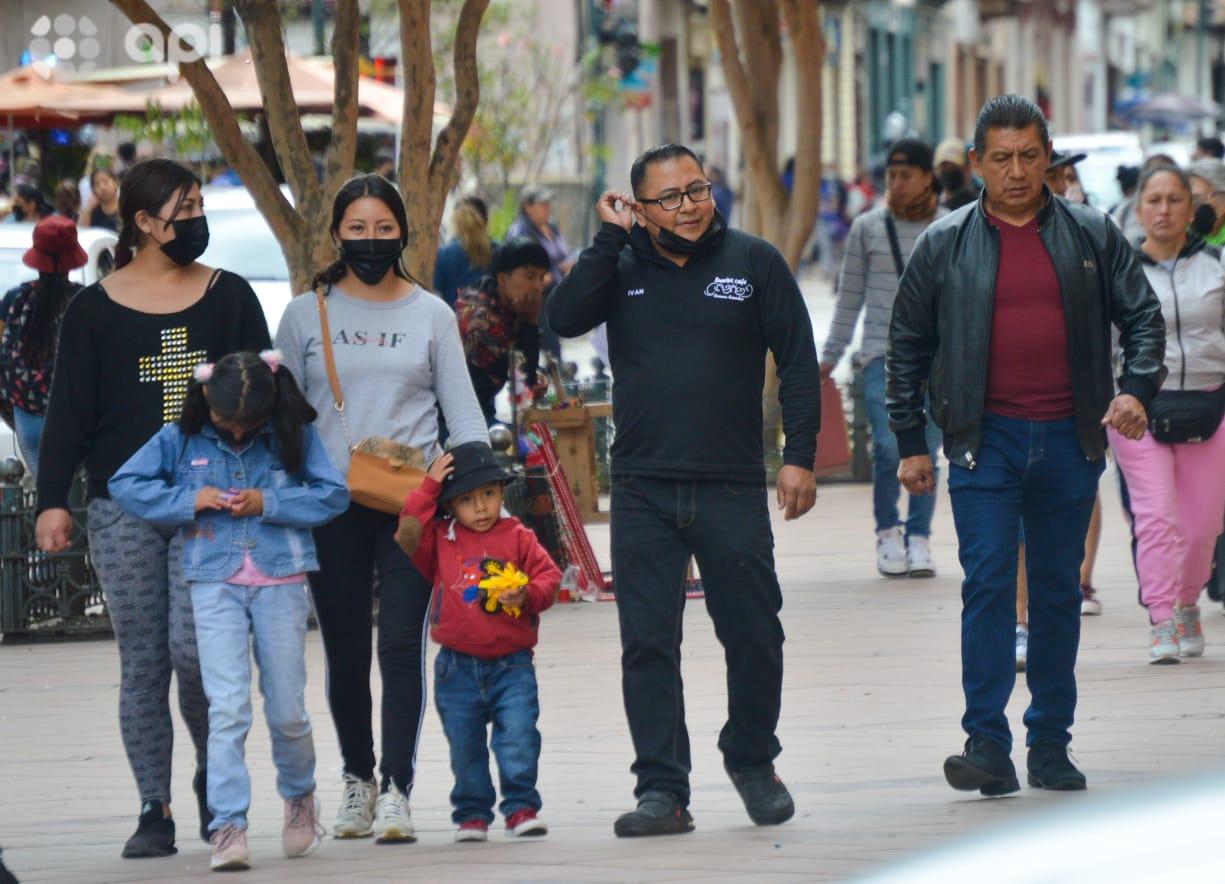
(241, 241)
(15, 240)
(1106, 152)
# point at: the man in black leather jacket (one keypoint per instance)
(1004, 314)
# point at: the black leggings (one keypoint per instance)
(355, 550)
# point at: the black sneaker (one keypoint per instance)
(984, 765)
(658, 813)
(154, 835)
(199, 785)
(1050, 768)
(764, 795)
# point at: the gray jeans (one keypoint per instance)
(140, 568)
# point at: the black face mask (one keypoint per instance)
(953, 180)
(190, 240)
(678, 245)
(370, 259)
(1203, 221)
(19, 214)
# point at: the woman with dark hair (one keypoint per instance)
(399, 363)
(29, 204)
(68, 199)
(502, 314)
(465, 259)
(103, 207)
(31, 323)
(535, 222)
(127, 349)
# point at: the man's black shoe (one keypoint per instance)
(154, 835)
(199, 785)
(658, 813)
(984, 765)
(1050, 768)
(764, 795)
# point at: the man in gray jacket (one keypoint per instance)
(877, 250)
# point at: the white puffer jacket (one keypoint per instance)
(1192, 297)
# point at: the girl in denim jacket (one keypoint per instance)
(244, 475)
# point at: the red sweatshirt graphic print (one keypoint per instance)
(465, 616)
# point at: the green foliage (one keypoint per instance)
(501, 215)
(185, 132)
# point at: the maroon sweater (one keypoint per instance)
(1027, 372)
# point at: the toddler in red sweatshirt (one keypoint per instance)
(492, 579)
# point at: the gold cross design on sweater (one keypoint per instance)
(172, 368)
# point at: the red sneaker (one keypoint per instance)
(524, 823)
(472, 830)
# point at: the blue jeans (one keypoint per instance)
(1035, 473)
(885, 458)
(29, 429)
(227, 617)
(657, 525)
(471, 693)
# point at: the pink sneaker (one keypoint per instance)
(472, 830)
(524, 824)
(302, 832)
(230, 852)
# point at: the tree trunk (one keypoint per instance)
(750, 44)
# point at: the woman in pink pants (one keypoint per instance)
(1176, 473)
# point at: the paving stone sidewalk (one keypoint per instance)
(872, 703)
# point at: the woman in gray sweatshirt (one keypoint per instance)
(400, 363)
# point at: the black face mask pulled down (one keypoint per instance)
(190, 240)
(1203, 221)
(678, 245)
(370, 259)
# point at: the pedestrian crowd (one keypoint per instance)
(1007, 325)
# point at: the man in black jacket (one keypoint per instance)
(1004, 313)
(692, 308)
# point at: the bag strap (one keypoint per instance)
(891, 229)
(329, 360)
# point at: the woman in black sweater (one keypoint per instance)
(127, 349)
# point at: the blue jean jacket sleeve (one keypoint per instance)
(144, 486)
(321, 496)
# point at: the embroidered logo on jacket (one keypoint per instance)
(729, 288)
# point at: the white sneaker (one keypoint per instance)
(393, 821)
(919, 557)
(1165, 643)
(1022, 646)
(355, 818)
(1190, 634)
(891, 553)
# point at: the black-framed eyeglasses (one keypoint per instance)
(697, 193)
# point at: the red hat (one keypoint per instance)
(55, 249)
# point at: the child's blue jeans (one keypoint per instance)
(470, 693)
(228, 617)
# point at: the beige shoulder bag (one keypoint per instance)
(382, 472)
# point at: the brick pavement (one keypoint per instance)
(871, 707)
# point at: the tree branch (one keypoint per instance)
(467, 96)
(342, 151)
(417, 60)
(263, 25)
(255, 174)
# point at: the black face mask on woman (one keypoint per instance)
(190, 240)
(370, 259)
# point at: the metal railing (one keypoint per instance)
(41, 594)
